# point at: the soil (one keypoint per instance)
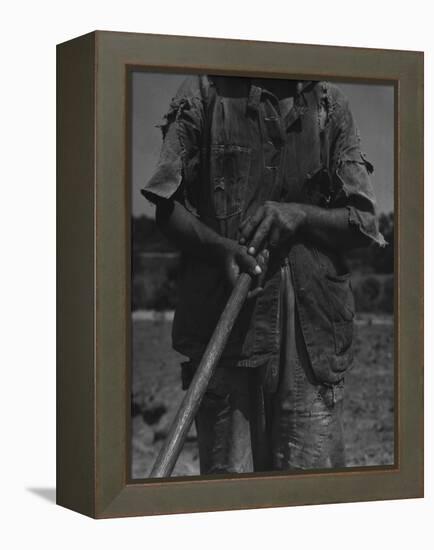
(157, 393)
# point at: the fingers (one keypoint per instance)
(262, 259)
(242, 262)
(250, 224)
(255, 292)
(274, 239)
(243, 223)
(263, 263)
(260, 235)
(249, 264)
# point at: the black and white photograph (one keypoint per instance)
(262, 275)
(217, 232)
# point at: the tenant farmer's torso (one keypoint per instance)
(255, 150)
(257, 146)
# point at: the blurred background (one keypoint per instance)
(156, 387)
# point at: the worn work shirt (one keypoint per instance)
(230, 144)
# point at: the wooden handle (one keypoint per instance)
(172, 446)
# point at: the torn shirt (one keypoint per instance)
(230, 144)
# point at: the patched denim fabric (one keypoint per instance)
(271, 419)
(306, 425)
(227, 149)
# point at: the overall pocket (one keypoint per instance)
(342, 310)
(230, 166)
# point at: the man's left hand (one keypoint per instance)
(273, 224)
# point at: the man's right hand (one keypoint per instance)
(236, 260)
(194, 237)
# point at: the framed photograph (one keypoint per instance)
(240, 274)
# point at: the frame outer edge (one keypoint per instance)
(411, 277)
(115, 496)
(75, 446)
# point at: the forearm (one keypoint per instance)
(197, 239)
(187, 231)
(331, 228)
(277, 224)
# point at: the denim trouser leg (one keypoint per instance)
(307, 416)
(243, 426)
(223, 429)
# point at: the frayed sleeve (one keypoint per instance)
(178, 168)
(350, 170)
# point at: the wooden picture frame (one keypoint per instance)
(93, 394)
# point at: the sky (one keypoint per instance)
(372, 106)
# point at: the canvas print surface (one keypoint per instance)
(291, 182)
